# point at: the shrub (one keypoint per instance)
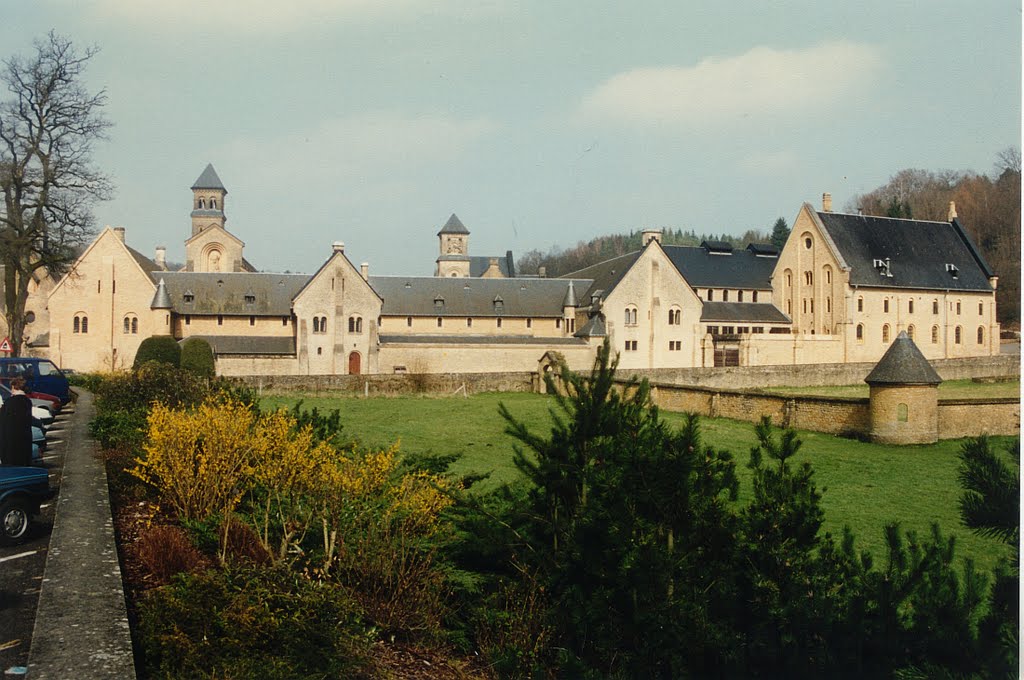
(123, 430)
(160, 348)
(166, 551)
(252, 623)
(197, 357)
(151, 382)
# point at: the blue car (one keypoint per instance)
(22, 491)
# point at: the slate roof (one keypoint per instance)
(417, 296)
(420, 339)
(238, 344)
(225, 292)
(147, 265)
(764, 249)
(738, 269)
(206, 212)
(605, 275)
(903, 364)
(478, 264)
(742, 311)
(209, 180)
(594, 328)
(918, 252)
(161, 299)
(453, 226)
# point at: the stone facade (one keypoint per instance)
(662, 308)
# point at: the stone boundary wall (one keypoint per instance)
(847, 416)
(818, 375)
(395, 384)
(963, 418)
(832, 415)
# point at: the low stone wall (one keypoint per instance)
(963, 418)
(833, 415)
(394, 384)
(816, 375)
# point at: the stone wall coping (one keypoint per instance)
(981, 401)
(754, 393)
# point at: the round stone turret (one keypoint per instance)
(904, 396)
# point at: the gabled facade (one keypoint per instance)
(841, 290)
(861, 280)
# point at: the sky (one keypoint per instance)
(539, 124)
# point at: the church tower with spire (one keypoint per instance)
(453, 260)
(212, 248)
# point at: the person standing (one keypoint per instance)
(16, 426)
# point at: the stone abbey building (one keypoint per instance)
(841, 290)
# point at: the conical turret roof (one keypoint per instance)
(209, 180)
(570, 296)
(161, 299)
(453, 226)
(903, 364)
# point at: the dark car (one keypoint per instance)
(22, 490)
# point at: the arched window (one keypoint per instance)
(808, 243)
(958, 335)
(135, 326)
(911, 331)
(935, 306)
(674, 317)
(355, 324)
(885, 333)
(131, 324)
(213, 204)
(981, 335)
(78, 321)
(828, 275)
(910, 306)
(789, 278)
(202, 204)
(809, 278)
(935, 335)
(630, 316)
(981, 308)
(828, 305)
(81, 323)
(860, 304)
(127, 325)
(359, 324)
(860, 331)
(885, 305)
(902, 413)
(316, 324)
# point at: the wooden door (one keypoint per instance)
(353, 363)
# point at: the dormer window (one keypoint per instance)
(953, 270)
(499, 304)
(189, 296)
(250, 299)
(439, 302)
(883, 267)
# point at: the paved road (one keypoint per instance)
(21, 566)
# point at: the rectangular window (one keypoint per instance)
(935, 306)
(981, 308)
(631, 345)
(188, 319)
(958, 308)
(757, 329)
(743, 330)
(499, 322)
(469, 322)
(252, 320)
(910, 306)
(885, 306)
(711, 295)
(558, 323)
(755, 296)
(728, 330)
(220, 320)
(725, 296)
(739, 296)
(408, 321)
(860, 305)
(439, 322)
(284, 320)
(529, 323)
(712, 330)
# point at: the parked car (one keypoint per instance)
(22, 491)
(41, 375)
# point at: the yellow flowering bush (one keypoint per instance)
(199, 460)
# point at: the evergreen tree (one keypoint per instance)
(780, 233)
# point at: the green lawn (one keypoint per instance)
(951, 389)
(865, 485)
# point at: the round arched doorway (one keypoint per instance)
(353, 363)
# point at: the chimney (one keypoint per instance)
(119, 232)
(338, 246)
(952, 212)
(160, 257)
(826, 202)
(651, 235)
(364, 271)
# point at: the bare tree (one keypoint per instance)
(48, 125)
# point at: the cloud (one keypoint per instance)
(267, 16)
(372, 147)
(761, 82)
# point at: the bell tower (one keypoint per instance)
(453, 260)
(208, 194)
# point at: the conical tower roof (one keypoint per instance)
(570, 296)
(209, 180)
(453, 226)
(903, 364)
(161, 299)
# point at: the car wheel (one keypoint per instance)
(14, 518)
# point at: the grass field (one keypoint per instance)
(865, 485)
(952, 389)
